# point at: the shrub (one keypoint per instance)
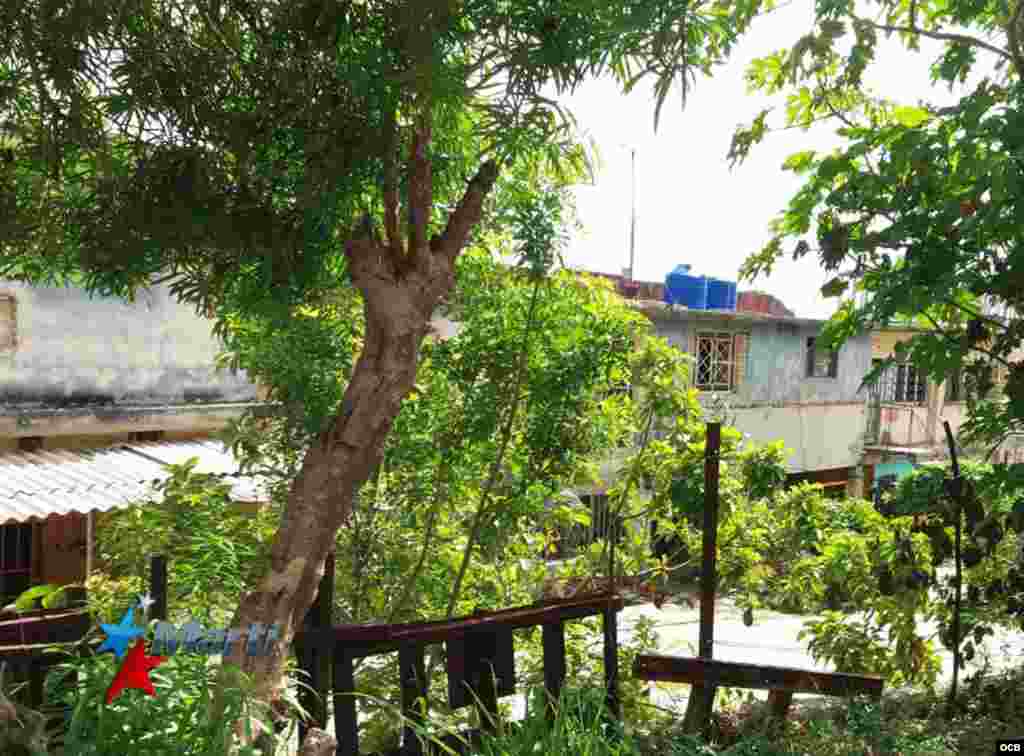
(180, 719)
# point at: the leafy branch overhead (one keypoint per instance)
(212, 143)
(918, 210)
(265, 157)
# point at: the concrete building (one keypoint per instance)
(905, 416)
(96, 395)
(778, 383)
(766, 366)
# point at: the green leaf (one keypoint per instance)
(799, 162)
(26, 602)
(835, 287)
(910, 116)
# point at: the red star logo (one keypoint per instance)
(134, 672)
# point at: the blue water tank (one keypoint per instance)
(683, 289)
(721, 294)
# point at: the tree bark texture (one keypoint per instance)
(401, 289)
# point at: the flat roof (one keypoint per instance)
(662, 311)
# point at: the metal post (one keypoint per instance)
(702, 697)
(956, 494)
(632, 219)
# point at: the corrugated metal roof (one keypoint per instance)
(36, 485)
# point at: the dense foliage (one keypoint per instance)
(178, 719)
(916, 214)
(233, 147)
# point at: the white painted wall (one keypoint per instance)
(820, 436)
(76, 349)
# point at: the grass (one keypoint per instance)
(989, 709)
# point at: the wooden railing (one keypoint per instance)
(479, 651)
(782, 682)
(480, 660)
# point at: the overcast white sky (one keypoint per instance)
(690, 207)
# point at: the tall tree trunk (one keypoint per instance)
(400, 289)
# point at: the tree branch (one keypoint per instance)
(1013, 37)
(954, 340)
(390, 188)
(965, 39)
(467, 213)
(421, 190)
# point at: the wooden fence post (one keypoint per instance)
(158, 586)
(414, 687)
(611, 658)
(315, 656)
(554, 664)
(346, 723)
(702, 697)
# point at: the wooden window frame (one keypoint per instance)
(723, 359)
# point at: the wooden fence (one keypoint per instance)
(480, 660)
(479, 654)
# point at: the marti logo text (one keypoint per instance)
(192, 637)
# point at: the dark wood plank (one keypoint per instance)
(680, 669)
(477, 657)
(66, 627)
(158, 586)
(37, 673)
(414, 688)
(702, 697)
(554, 663)
(486, 698)
(346, 725)
(611, 659)
(316, 659)
(779, 702)
(441, 631)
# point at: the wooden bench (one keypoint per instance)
(782, 682)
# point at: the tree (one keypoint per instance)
(919, 209)
(250, 147)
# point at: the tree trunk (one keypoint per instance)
(400, 290)
(333, 471)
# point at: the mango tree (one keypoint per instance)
(259, 147)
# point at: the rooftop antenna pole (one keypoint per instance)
(632, 220)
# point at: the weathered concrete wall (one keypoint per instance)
(75, 350)
(883, 343)
(820, 420)
(776, 368)
(818, 436)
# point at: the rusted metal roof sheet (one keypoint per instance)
(36, 485)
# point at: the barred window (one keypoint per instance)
(721, 358)
(904, 383)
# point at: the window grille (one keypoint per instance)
(902, 383)
(576, 537)
(717, 363)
